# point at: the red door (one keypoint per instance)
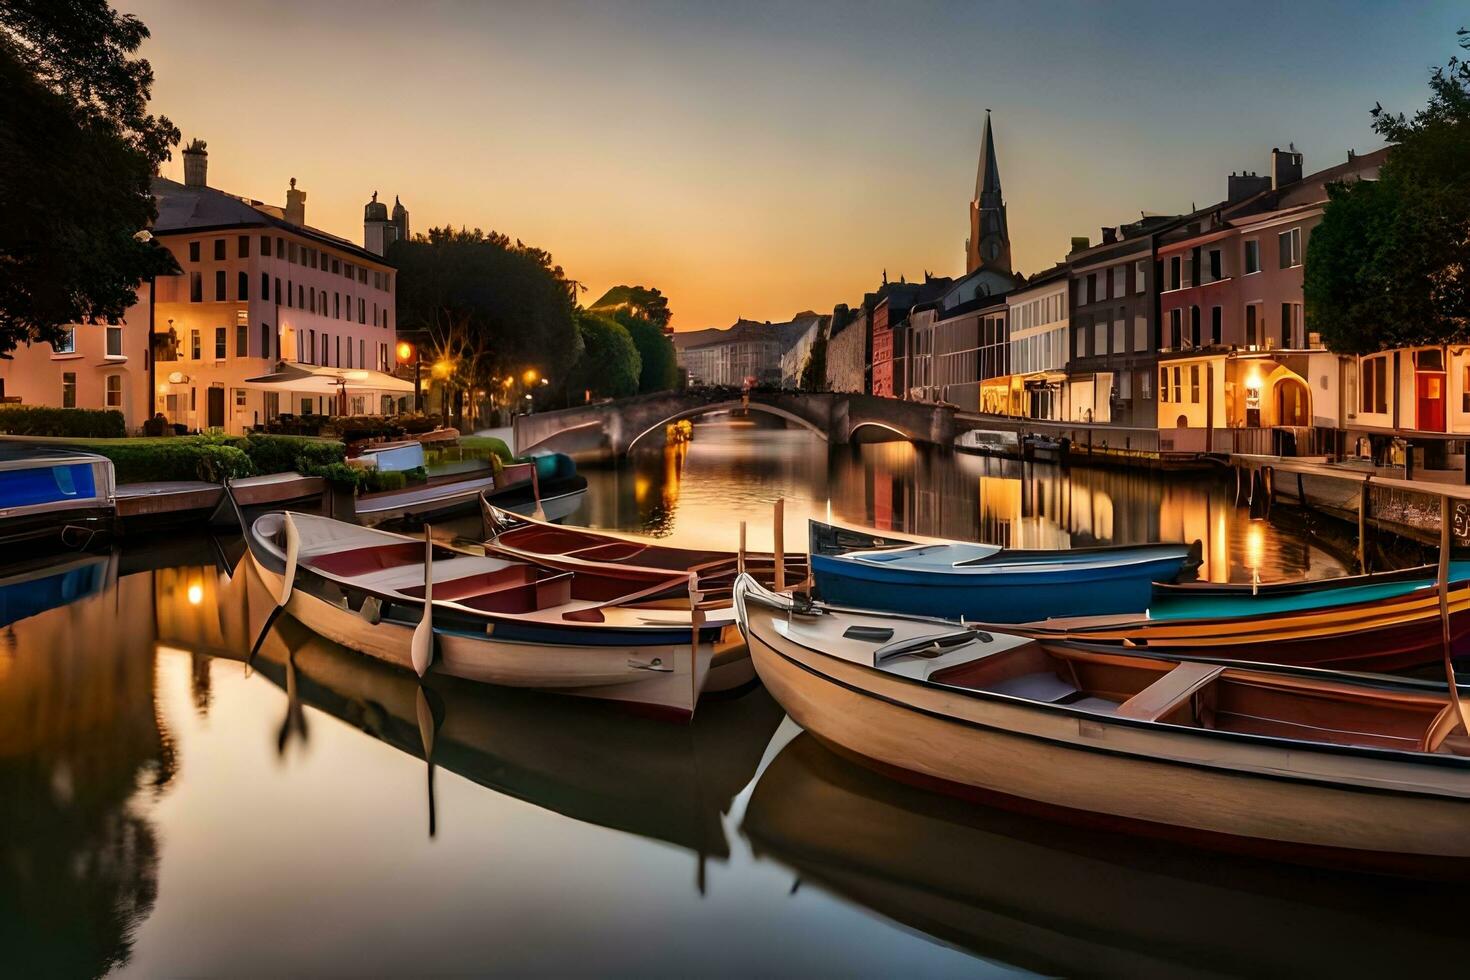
(1430, 395)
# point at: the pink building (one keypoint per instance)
(268, 316)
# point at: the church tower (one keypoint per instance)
(989, 244)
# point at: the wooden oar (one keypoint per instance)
(428, 720)
(696, 618)
(421, 647)
(538, 514)
(1445, 539)
(293, 550)
(779, 531)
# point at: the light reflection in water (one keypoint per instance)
(697, 493)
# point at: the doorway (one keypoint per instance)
(1429, 413)
(216, 408)
(1293, 403)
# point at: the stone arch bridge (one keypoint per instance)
(608, 430)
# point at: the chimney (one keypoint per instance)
(1080, 242)
(1243, 185)
(1286, 167)
(295, 205)
(1109, 236)
(196, 164)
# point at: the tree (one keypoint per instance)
(660, 365)
(484, 306)
(1389, 266)
(78, 150)
(641, 301)
(609, 366)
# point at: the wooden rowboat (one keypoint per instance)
(596, 633)
(955, 579)
(1383, 622)
(573, 548)
(1302, 765)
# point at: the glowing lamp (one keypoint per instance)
(404, 351)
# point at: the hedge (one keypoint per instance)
(175, 459)
(79, 423)
(282, 454)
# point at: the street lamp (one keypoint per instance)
(406, 352)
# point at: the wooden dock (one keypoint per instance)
(179, 501)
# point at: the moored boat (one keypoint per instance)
(52, 494)
(1301, 765)
(603, 633)
(571, 548)
(1386, 621)
(959, 580)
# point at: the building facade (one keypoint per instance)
(1034, 384)
(989, 244)
(259, 290)
(847, 350)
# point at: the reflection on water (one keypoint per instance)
(698, 492)
(1069, 902)
(168, 812)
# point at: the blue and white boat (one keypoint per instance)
(984, 582)
(53, 493)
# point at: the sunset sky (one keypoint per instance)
(759, 159)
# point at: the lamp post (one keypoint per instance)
(146, 236)
(407, 352)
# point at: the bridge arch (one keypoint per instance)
(881, 426)
(754, 406)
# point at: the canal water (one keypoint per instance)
(165, 811)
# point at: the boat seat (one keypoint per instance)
(361, 561)
(1044, 686)
(1099, 705)
(1169, 691)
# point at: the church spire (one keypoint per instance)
(989, 244)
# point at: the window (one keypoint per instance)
(242, 340)
(278, 292)
(66, 343)
(196, 287)
(1178, 389)
(1194, 384)
(1163, 384)
(1120, 343)
(337, 305)
(114, 340)
(1139, 284)
(220, 335)
(337, 267)
(1194, 334)
(1250, 326)
(265, 286)
(1100, 286)
(291, 254)
(219, 249)
(194, 349)
(1140, 332)
(311, 299)
(265, 340)
(1176, 328)
(242, 286)
(193, 251)
(68, 389)
(1176, 265)
(338, 355)
(1375, 385)
(1252, 256)
(240, 401)
(310, 346)
(112, 391)
(325, 340)
(361, 310)
(1290, 245)
(1215, 265)
(1100, 337)
(280, 248)
(243, 249)
(300, 297)
(265, 246)
(362, 353)
(1216, 318)
(1120, 280)
(219, 285)
(1081, 342)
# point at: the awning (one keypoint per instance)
(328, 380)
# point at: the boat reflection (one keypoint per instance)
(599, 766)
(1065, 901)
